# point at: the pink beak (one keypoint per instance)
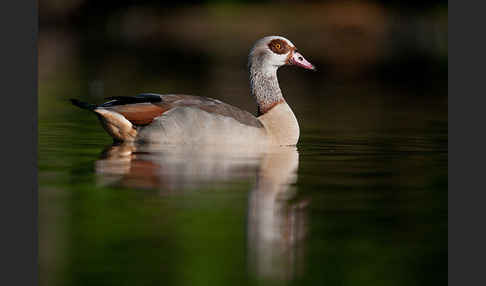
(298, 60)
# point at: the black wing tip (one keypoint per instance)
(119, 100)
(140, 98)
(81, 104)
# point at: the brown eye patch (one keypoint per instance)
(279, 46)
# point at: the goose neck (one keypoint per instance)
(264, 86)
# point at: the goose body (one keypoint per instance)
(187, 119)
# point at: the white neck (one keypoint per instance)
(264, 84)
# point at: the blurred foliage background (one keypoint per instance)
(195, 46)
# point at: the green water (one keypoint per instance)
(354, 203)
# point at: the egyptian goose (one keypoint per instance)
(178, 119)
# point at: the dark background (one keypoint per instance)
(389, 42)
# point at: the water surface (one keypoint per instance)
(360, 206)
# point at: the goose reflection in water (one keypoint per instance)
(276, 222)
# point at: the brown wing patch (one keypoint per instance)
(279, 46)
(144, 113)
(141, 113)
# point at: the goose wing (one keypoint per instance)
(142, 109)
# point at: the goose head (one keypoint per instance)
(272, 52)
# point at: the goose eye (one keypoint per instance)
(278, 46)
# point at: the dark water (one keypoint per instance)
(362, 199)
(358, 206)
